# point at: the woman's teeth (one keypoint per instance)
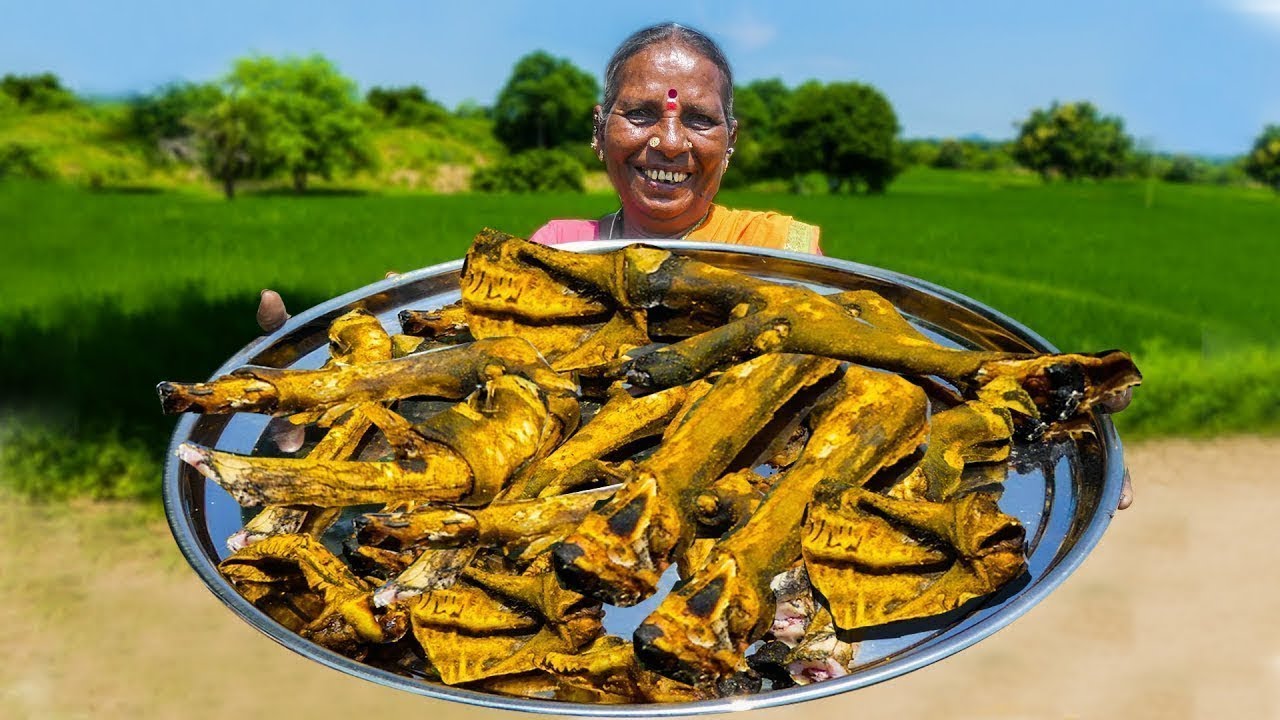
(666, 176)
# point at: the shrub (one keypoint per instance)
(51, 462)
(951, 156)
(37, 93)
(531, 171)
(406, 106)
(21, 160)
(917, 152)
(1185, 169)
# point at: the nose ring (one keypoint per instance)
(688, 144)
(653, 141)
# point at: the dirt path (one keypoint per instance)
(1173, 616)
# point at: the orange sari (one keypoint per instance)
(722, 225)
(759, 229)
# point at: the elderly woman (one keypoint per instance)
(666, 133)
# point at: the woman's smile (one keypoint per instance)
(663, 177)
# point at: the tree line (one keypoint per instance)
(300, 118)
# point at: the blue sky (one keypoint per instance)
(1198, 76)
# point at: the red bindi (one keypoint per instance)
(671, 99)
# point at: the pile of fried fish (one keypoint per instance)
(811, 464)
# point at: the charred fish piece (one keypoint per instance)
(463, 658)
(622, 420)
(497, 624)
(498, 523)
(339, 443)
(916, 558)
(699, 632)
(448, 321)
(610, 665)
(504, 297)
(329, 604)
(621, 549)
(622, 333)
(354, 337)
(251, 481)
(571, 615)
(977, 431)
(474, 448)
(449, 373)
(440, 568)
(761, 317)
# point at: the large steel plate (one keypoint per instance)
(1064, 491)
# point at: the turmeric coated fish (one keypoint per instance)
(699, 632)
(812, 464)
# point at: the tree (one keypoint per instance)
(845, 131)
(1263, 163)
(233, 142)
(37, 93)
(307, 117)
(754, 137)
(1072, 140)
(775, 95)
(757, 106)
(406, 105)
(165, 121)
(546, 102)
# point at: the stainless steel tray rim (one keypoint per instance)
(178, 511)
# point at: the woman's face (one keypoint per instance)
(666, 186)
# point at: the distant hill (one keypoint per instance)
(87, 145)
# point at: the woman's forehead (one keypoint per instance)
(664, 66)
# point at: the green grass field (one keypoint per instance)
(108, 293)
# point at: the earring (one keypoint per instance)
(595, 145)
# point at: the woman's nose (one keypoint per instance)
(671, 139)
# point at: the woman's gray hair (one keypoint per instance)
(687, 36)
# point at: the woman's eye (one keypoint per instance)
(699, 122)
(640, 117)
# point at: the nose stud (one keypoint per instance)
(653, 141)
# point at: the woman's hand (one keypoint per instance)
(1126, 492)
(1115, 404)
(272, 313)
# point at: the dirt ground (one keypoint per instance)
(1172, 616)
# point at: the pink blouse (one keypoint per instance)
(556, 232)
(563, 231)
